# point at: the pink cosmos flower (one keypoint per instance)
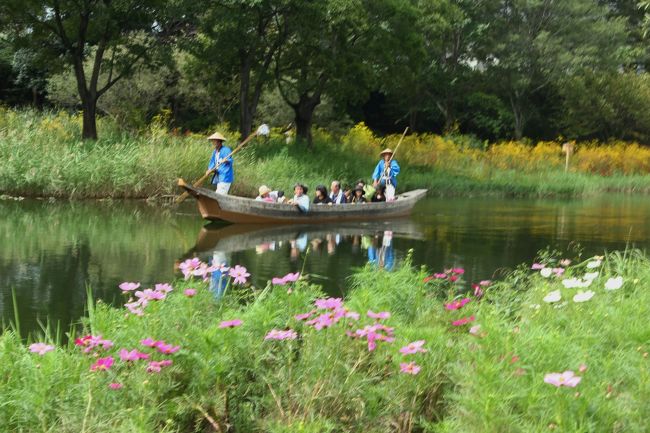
(278, 281)
(40, 348)
(137, 307)
(568, 378)
(189, 266)
(132, 355)
(230, 323)
(453, 278)
(415, 347)
(127, 287)
(149, 342)
(239, 274)
(537, 266)
(440, 276)
(163, 287)
(458, 271)
(374, 333)
(304, 316)
(478, 290)
(156, 366)
(485, 283)
(463, 321)
(455, 305)
(102, 364)
(378, 316)
(189, 292)
(150, 295)
(558, 271)
(351, 315)
(90, 342)
(427, 279)
(323, 321)
(166, 348)
(276, 334)
(292, 278)
(582, 368)
(115, 385)
(329, 303)
(409, 368)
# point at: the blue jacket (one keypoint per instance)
(379, 172)
(224, 173)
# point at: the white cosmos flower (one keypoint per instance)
(591, 275)
(583, 296)
(584, 283)
(571, 283)
(614, 283)
(546, 272)
(594, 264)
(553, 296)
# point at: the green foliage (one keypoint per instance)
(326, 381)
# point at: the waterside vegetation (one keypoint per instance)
(44, 156)
(557, 347)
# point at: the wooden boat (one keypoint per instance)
(214, 206)
(239, 237)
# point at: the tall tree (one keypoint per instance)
(533, 43)
(91, 36)
(326, 52)
(240, 38)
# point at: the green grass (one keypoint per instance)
(43, 155)
(325, 381)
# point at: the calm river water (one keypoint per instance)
(51, 252)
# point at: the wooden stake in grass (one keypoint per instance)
(567, 148)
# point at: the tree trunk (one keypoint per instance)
(304, 115)
(413, 119)
(245, 117)
(518, 115)
(89, 130)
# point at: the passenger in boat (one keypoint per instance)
(368, 189)
(300, 199)
(358, 196)
(386, 173)
(379, 195)
(320, 196)
(347, 192)
(222, 161)
(267, 195)
(336, 194)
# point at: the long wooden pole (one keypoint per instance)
(398, 143)
(203, 178)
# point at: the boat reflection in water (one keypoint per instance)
(323, 249)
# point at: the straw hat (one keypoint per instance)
(264, 190)
(217, 136)
(387, 150)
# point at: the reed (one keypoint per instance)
(43, 156)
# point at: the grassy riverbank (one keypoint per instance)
(43, 156)
(483, 376)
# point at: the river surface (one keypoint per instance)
(52, 253)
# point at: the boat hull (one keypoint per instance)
(214, 206)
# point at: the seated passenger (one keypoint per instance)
(380, 194)
(369, 190)
(320, 196)
(300, 199)
(358, 196)
(347, 192)
(337, 195)
(267, 195)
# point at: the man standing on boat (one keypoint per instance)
(386, 173)
(222, 162)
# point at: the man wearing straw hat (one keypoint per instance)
(222, 161)
(386, 173)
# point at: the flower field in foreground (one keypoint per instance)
(556, 345)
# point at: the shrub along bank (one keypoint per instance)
(43, 156)
(560, 347)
